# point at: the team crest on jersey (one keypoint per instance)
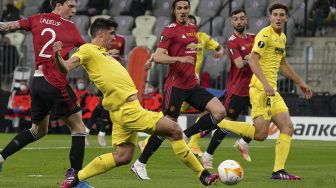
(172, 108)
(231, 110)
(261, 44)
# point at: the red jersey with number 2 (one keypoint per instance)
(47, 29)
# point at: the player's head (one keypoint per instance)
(278, 15)
(192, 19)
(103, 31)
(65, 8)
(239, 20)
(180, 11)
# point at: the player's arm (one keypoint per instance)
(161, 56)
(64, 65)
(256, 69)
(9, 26)
(289, 72)
(234, 54)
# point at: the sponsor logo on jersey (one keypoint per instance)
(261, 44)
(191, 46)
(279, 50)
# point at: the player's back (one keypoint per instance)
(47, 29)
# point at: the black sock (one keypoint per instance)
(77, 151)
(18, 142)
(216, 139)
(153, 144)
(247, 140)
(205, 122)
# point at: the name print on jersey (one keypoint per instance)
(50, 22)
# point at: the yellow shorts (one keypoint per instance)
(258, 100)
(129, 119)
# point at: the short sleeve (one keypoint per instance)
(165, 38)
(26, 22)
(233, 50)
(260, 42)
(82, 53)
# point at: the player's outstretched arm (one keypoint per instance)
(161, 56)
(64, 66)
(289, 72)
(9, 26)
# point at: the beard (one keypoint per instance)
(240, 30)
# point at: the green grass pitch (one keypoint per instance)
(43, 164)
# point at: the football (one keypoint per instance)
(230, 172)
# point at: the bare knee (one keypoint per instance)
(122, 158)
(260, 136)
(176, 132)
(287, 129)
(219, 114)
(39, 130)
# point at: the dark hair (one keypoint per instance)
(172, 15)
(54, 2)
(193, 17)
(101, 24)
(278, 6)
(238, 11)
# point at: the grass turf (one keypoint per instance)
(43, 164)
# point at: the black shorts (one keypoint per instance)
(197, 97)
(46, 98)
(235, 104)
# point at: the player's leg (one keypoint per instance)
(204, 101)
(171, 129)
(105, 120)
(193, 142)
(173, 99)
(40, 91)
(69, 110)
(281, 119)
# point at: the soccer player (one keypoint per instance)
(267, 57)
(117, 49)
(50, 90)
(120, 98)
(178, 48)
(237, 97)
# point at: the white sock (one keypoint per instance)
(138, 163)
(1, 159)
(101, 133)
(242, 141)
(87, 130)
(207, 155)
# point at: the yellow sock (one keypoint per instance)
(97, 166)
(194, 138)
(240, 128)
(281, 151)
(182, 151)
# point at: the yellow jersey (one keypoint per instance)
(109, 76)
(204, 42)
(272, 48)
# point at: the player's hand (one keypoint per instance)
(149, 63)
(306, 90)
(269, 90)
(57, 46)
(186, 59)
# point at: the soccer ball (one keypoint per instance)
(230, 172)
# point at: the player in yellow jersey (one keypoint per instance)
(120, 98)
(267, 57)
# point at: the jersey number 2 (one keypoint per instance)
(53, 37)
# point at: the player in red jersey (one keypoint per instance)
(178, 47)
(237, 98)
(50, 90)
(117, 50)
